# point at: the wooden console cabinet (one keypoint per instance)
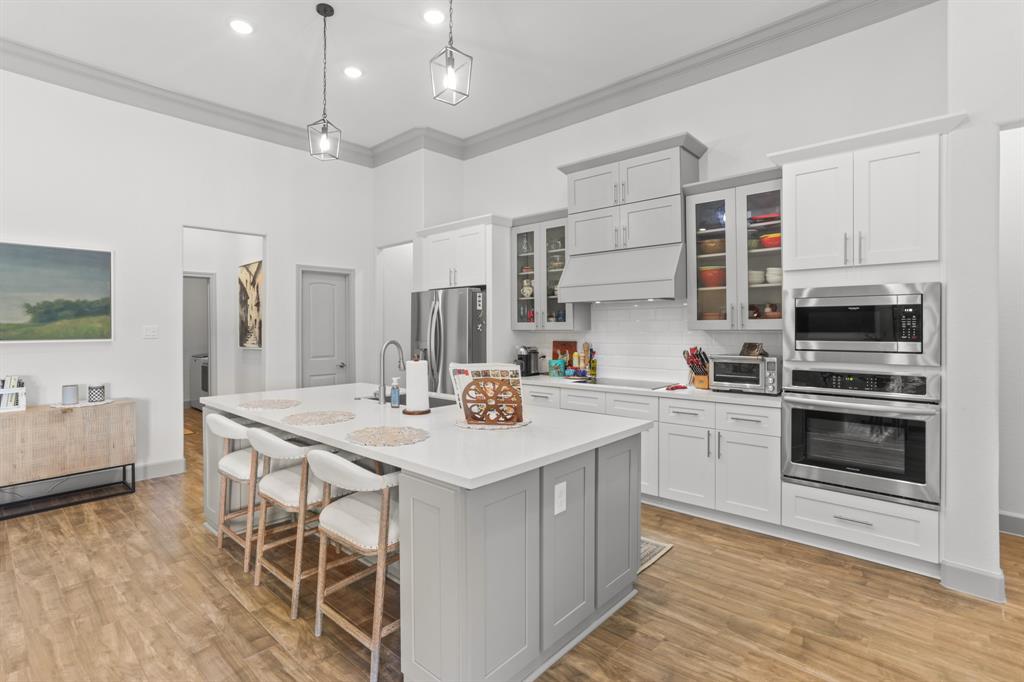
(43, 442)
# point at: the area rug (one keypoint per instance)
(651, 551)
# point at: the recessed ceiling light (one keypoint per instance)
(433, 16)
(241, 27)
(353, 72)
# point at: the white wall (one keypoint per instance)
(235, 369)
(127, 180)
(1011, 329)
(394, 272)
(195, 333)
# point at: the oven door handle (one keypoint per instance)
(859, 405)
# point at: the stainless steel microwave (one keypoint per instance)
(745, 374)
(895, 324)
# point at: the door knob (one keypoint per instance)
(341, 364)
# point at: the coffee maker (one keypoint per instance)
(528, 359)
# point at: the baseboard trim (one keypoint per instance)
(877, 556)
(149, 470)
(969, 580)
(1011, 523)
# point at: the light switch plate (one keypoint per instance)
(150, 331)
(560, 497)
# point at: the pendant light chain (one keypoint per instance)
(325, 68)
(451, 22)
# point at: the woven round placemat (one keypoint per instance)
(270, 404)
(388, 436)
(319, 418)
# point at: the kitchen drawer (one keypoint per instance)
(541, 396)
(688, 412)
(636, 406)
(766, 421)
(583, 401)
(896, 528)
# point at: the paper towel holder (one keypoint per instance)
(416, 413)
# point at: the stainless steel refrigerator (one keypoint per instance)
(449, 325)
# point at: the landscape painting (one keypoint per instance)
(54, 294)
(250, 305)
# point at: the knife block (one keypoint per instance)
(700, 381)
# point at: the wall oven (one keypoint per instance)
(844, 430)
(886, 323)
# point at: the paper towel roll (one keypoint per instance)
(417, 399)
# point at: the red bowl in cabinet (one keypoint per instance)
(712, 276)
(771, 241)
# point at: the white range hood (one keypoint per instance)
(625, 275)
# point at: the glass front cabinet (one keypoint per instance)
(539, 257)
(734, 252)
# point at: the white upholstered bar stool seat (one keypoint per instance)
(366, 524)
(240, 466)
(283, 487)
(290, 487)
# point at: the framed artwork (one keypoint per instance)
(51, 293)
(250, 305)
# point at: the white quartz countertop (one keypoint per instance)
(458, 456)
(689, 393)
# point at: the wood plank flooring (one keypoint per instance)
(134, 588)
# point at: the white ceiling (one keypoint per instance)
(528, 54)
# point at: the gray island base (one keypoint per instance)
(514, 545)
(496, 585)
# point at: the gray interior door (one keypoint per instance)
(325, 352)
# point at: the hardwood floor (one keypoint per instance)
(133, 588)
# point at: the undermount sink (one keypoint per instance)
(432, 401)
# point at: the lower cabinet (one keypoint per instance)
(686, 465)
(748, 476)
(618, 534)
(567, 511)
(738, 473)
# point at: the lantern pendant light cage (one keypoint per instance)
(451, 70)
(324, 136)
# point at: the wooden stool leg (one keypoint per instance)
(261, 537)
(300, 533)
(220, 511)
(378, 592)
(321, 585)
(253, 459)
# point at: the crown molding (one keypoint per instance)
(814, 25)
(45, 66)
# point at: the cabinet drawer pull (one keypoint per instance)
(753, 420)
(675, 410)
(719, 445)
(709, 443)
(616, 199)
(849, 520)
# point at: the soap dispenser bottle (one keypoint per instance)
(396, 393)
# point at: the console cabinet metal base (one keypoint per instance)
(496, 581)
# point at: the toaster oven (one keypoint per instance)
(746, 374)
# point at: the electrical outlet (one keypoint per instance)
(150, 331)
(560, 497)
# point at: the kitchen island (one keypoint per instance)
(514, 544)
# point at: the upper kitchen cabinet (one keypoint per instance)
(871, 199)
(734, 229)
(539, 258)
(630, 175)
(453, 255)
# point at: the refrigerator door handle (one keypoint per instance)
(440, 350)
(431, 360)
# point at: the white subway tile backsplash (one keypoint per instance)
(646, 339)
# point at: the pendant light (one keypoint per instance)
(450, 70)
(324, 137)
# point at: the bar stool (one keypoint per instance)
(366, 523)
(235, 466)
(293, 490)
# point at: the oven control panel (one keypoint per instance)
(902, 384)
(908, 323)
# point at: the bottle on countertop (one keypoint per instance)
(396, 393)
(593, 363)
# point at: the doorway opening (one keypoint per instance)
(223, 282)
(326, 326)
